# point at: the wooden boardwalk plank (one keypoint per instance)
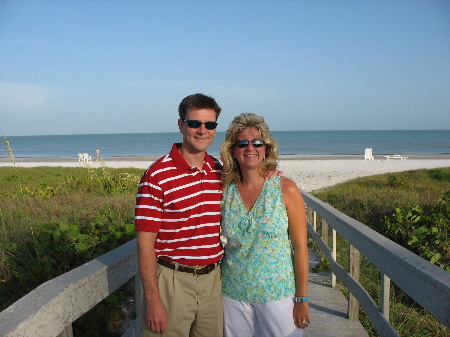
(328, 310)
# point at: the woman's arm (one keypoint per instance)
(297, 230)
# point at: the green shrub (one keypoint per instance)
(440, 174)
(425, 231)
(62, 246)
(396, 180)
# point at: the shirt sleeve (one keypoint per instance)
(149, 205)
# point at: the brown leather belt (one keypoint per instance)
(197, 270)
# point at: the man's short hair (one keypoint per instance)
(198, 101)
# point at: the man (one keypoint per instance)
(178, 224)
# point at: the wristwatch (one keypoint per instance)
(300, 299)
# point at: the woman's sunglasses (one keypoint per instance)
(195, 124)
(255, 142)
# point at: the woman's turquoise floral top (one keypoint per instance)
(258, 261)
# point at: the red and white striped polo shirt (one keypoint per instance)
(182, 205)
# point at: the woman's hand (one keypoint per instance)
(301, 314)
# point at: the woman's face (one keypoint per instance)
(250, 156)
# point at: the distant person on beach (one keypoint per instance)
(177, 219)
(97, 152)
(266, 263)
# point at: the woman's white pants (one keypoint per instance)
(272, 319)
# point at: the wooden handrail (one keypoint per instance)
(50, 309)
(424, 282)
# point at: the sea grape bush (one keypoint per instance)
(60, 247)
(424, 230)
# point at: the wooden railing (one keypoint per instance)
(424, 282)
(50, 309)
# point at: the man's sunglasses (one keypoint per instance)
(195, 124)
(255, 142)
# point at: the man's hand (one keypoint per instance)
(274, 173)
(156, 313)
(156, 316)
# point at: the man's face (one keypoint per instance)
(197, 140)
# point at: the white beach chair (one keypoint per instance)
(368, 154)
(80, 157)
(86, 158)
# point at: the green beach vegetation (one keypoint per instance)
(412, 209)
(53, 219)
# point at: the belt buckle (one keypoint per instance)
(197, 269)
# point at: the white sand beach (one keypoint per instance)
(312, 175)
(308, 171)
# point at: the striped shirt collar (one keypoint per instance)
(181, 163)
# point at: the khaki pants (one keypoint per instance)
(193, 303)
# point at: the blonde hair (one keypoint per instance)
(231, 170)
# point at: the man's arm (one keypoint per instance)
(156, 314)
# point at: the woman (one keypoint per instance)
(265, 268)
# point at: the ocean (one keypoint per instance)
(289, 142)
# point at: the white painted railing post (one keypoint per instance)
(354, 265)
(325, 233)
(333, 276)
(138, 293)
(315, 221)
(385, 295)
(309, 214)
(67, 332)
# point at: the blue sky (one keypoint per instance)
(79, 67)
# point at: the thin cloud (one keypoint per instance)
(19, 97)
